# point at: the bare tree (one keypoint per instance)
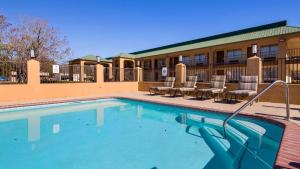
(3, 28)
(36, 34)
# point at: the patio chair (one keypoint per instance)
(247, 88)
(167, 85)
(188, 87)
(217, 87)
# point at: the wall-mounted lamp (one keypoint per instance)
(98, 59)
(254, 49)
(32, 54)
(180, 59)
(282, 40)
(138, 63)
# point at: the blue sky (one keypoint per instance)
(109, 27)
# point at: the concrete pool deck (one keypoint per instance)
(288, 155)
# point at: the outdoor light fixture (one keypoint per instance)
(98, 59)
(254, 49)
(282, 40)
(138, 63)
(180, 59)
(32, 54)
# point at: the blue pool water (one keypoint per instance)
(126, 134)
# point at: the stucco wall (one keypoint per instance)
(48, 91)
(275, 94)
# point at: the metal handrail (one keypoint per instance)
(256, 97)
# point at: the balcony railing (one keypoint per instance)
(13, 72)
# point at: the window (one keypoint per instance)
(234, 55)
(186, 60)
(147, 64)
(220, 57)
(200, 59)
(269, 51)
(159, 63)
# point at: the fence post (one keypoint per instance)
(33, 72)
(139, 74)
(180, 73)
(254, 67)
(99, 73)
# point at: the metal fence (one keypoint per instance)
(112, 74)
(67, 73)
(287, 68)
(148, 75)
(270, 70)
(201, 71)
(153, 75)
(13, 72)
(292, 70)
(232, 71)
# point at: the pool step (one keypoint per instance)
(230, 149)
(253, 131)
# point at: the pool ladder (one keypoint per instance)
(256, 97)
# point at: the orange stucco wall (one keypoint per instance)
(27, 92)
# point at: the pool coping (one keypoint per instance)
(288, 155)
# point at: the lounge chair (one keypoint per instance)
(247, 88)
(217, 87)
(188, 87)
(167, 85)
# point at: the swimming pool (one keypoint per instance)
(127, 134)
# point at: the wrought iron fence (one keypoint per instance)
(232, 71)
(270, 70)
(292, 64)
(158, 75)
(113, 74)
(201, 71)
(292, 70)
(153, 75)
(148, 75)
(13, 72)
(67, 73)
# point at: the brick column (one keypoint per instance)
(139, 74)
(180, 73)
(81, 71)
(110, 71)
(282, 47)
(33, 72)
(121, 69)
(254, 67)
(99, 73)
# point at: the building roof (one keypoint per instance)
(93, 58)
(123, 55)
(263, 31)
